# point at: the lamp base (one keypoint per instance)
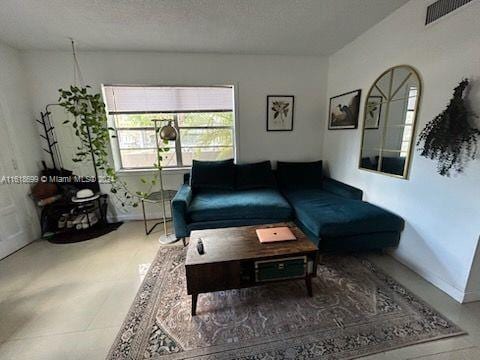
(167, 239)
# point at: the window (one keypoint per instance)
(203, 117)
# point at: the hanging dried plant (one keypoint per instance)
(449, 138)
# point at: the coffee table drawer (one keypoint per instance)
(280, 269)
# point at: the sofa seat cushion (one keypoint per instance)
(330, 216)
(240, 204)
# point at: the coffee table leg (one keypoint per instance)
(194, 304)
(308, 282)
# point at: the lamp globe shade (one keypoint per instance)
(168, 132)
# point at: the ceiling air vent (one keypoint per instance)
(441, 8)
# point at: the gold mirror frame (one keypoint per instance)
(406, 168)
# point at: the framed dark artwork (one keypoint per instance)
(280, 110)
(373, 112)
(343, 111)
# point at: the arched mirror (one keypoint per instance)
(389, 119)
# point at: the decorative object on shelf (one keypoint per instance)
(450, 138)
(373, 112)
(49, 200)
(43, 190)
(280, 110)
(343, 110)
(391, 108)
(84, 195)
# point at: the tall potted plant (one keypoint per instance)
(90, 126)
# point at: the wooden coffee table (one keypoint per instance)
(234, 259)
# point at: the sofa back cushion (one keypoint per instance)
(213, 175)
(299, 174)
(254, 176)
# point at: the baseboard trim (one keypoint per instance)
(471, 296)
(447, 288)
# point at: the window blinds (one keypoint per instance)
(124, 99)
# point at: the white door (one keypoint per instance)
(14, 224)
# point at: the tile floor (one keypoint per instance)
(68, 301)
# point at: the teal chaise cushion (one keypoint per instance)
(214, 205)
(327, 215)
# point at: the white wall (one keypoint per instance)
(442, 214)
(20, 129)
(255, 77)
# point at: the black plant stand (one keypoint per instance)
(52, 212)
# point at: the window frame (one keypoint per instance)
(115, 145)
(407, 139)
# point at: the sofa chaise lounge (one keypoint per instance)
(332, 214)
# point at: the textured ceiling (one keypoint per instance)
(305, 27)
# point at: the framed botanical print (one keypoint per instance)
(280, 110)
(343, 111)
(373, 112)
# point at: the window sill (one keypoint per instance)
(134, 172)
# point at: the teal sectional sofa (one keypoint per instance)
(332, 214)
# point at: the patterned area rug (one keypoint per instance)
(356, 310)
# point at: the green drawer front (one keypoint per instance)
(280, 269)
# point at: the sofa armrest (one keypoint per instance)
(342, 189)
(180, 204)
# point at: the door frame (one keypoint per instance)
(25, 204)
